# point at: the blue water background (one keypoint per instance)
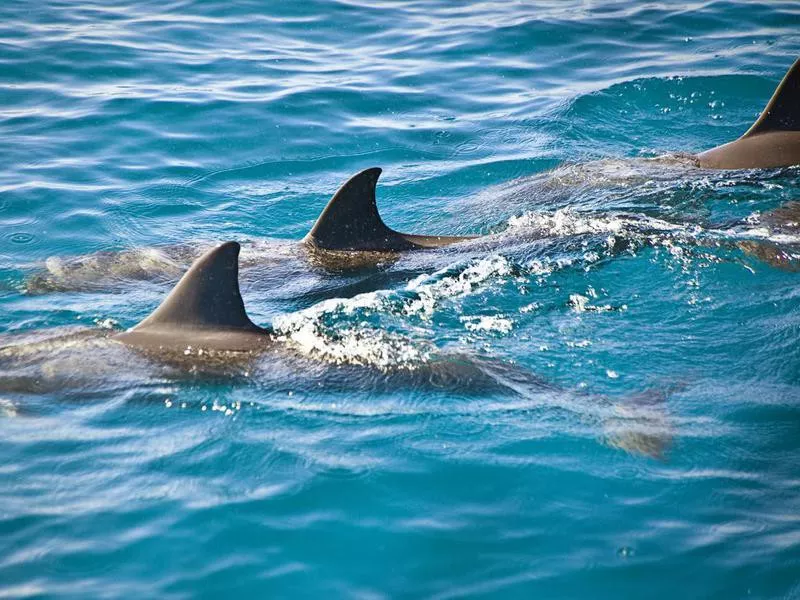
(138, 124)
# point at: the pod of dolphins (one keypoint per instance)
(205, 309)
(205, 312)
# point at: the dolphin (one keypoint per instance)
(349, 233)
(772, 141)
(202, 327)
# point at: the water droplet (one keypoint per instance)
(21, 238)
(625, 552)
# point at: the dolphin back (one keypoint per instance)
(205, 309)
(782, 112)
(207, 296)
(772, 141)
(351, 222)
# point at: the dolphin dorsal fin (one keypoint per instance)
(351, 221)
(207, 296)
(783, 109)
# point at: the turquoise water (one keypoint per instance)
(601, 399)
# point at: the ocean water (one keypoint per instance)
(600, 399)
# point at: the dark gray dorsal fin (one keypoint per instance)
(207, 296)
(783, 109)
(351, 221)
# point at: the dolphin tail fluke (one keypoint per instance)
(351, 221)
(782, 112)
(206, 297)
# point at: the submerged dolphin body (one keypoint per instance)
(772, 141)
(781, 248)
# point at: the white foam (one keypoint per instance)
(322, 331)
(567, 222)
(8, 408)
(488, 323)
(580, 303)
(107, 323)
(431, 290)
(349, 345)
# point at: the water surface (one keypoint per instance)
(622, 418)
